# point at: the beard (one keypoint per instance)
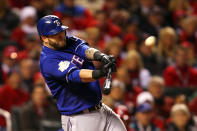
(58, 45)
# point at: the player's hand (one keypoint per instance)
(110, 60)
(113, 63)
(102, 72)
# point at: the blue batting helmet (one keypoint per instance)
(50, 25)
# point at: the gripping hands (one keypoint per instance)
(108, 62)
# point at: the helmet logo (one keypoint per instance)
(57, 22)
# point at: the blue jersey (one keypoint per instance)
(60, 70)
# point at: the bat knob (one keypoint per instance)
(106, 91)
(107, 87)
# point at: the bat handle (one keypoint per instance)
(107, 84)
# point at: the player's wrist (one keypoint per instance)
(98, 56)
(96, 74)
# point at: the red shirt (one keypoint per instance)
(18, 35)
(131, 96)
(82, 21)
(176, 76)
(193, 106)
(10, 97)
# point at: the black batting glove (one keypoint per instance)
(96, 74)
(105, 59)
(98, 56)
(113, 63)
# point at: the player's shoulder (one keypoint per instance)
(75, 40)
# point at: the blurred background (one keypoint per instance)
(154, 88)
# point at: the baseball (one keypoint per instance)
(150, 41)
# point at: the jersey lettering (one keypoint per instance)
(77, 60)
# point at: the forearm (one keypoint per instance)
(86, 75)
(90, 54)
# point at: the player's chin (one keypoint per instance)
(60, 43)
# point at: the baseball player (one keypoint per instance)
(66, 64)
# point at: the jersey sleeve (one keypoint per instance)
(61, 70)
(79, 46)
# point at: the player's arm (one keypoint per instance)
(89, 53)
(87, 75)
(94, 54)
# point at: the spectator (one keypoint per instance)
(130, 38)
(123, 113)
(10, 55)
(117, 93)
(148, 57)
(190, 53)
(193, 106)
(154, 21)
(27, 70)
(32, 47)
(180, 116)
(143, 119)
(8, 20)
(110, 6)
(181, 99)
(44, 7)
(143, 9)
(13, 93)
(81, 17)
(38, 79)
(131, 93)
(179, 5)
(162, 103)
(93, 5)
(38, 109)
(166, 46)
(27, 26)
(130, 42)
(107, 28)
(188, 32)
(157, 120)
(138, 75)
(18, 4)
(94, 38)
(145, 97)
(114, 47)
(181, 74)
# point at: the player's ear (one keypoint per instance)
(44, 39)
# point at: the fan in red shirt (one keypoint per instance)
(27, 26)
(80, 16)
(9, 61)
(108, 29)
(12, 95)
(181, 74)
(188, 32)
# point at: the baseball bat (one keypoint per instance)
(107, 84)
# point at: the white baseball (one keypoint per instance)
(150, 41)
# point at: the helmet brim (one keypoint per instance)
(57, 30)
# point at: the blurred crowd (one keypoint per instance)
(154, 88)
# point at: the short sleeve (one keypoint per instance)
(58, 69)
(79, 46)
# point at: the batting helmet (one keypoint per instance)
(50, 25)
